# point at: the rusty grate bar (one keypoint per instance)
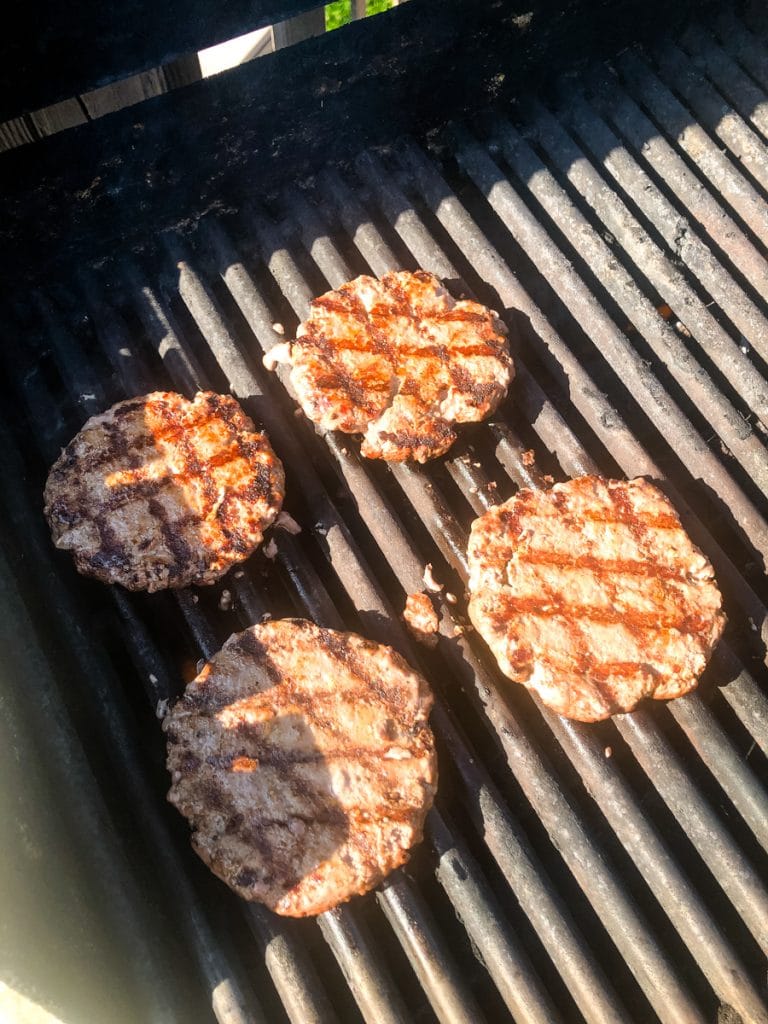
(662, 337)
(713, 111)
(687, 78)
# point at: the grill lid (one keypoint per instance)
(606, 873)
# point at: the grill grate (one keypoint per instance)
(588, 886)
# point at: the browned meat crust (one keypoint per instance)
(303, 759)
(160, 491)
(421, 618)
(400, 361)
(592, 594)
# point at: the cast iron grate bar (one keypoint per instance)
(714, 113)
(734, 84)
(669, 283)
(742, 45)
(640, 135)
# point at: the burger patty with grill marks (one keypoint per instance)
(161, 491)
(400, 361)
(304, 762)
(592, 594)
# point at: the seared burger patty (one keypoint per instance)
(160, 491)
(592, 594)
(303, 759)
(400, 361)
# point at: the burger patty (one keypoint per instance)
(592, 594)
(400, 361)
(160, 491)
(304, 762)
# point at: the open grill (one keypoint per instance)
(608, 873)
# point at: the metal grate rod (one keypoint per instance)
(373, 989)
(656, 266)
(440, 977)
(747, 98)
(608, 97)
(714, 113)
(504, 957)
(743, 46)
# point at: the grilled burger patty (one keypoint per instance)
(399, 360)
(160, 491)
(592, 594)
(303, 760)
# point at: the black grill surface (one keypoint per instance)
(604, 873)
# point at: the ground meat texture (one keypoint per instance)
(161, 491)
(303, 759)
(399, 361)
(592, 594)
(421, 618)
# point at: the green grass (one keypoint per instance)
(340, 11)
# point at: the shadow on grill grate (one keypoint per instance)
(604, 873)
